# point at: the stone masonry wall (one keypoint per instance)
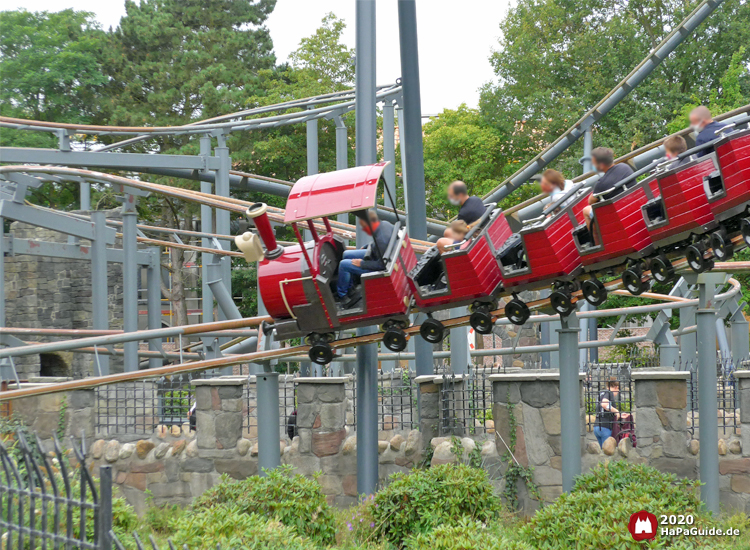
(42, 292)
(176, 465)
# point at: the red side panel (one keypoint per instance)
(684, 200)
(499, 231)
(551, 252)
(279, 282)
(734, 158)
(390, 295)
(621, 227)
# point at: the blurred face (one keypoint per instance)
(615, 389)
(546, 186)
(452, 197)
(599, 166)
(670, 154)
(697, 122)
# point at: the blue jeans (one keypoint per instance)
(602, 434)
(347, 269)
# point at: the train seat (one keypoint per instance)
(512, 254)
(655, 212)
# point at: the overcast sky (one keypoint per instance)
(455, 38)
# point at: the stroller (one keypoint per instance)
(623, 428)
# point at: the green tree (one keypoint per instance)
(558, 58)
(50, 69)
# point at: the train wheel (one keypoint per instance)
(321, 353)
(594, 291)
(561, 302)
(395, 339)
(517, 312)
(722, 245)
(481, 320)
(632, 278)
(662, 270)
(696, 259)
(745, 228)
(432, 330)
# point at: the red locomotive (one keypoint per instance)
(296, 282)
(681, 208)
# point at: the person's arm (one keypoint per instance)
(371, 265)
(592, 199)
(607, 406)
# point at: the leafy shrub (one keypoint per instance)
(162, 519)
(467, 534)
(231, 527)
(295, 501)
(595, 514)
(418, 502)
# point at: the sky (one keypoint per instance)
(454, 44)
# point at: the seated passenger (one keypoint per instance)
(472, 208)
(610, 174)
(704, 126)
(364, 260)
(458, 229)
(554, 185)
(674, 147)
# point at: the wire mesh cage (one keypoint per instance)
(397, 401)
(601, 378)
(726, 394)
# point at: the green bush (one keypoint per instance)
(418, 502)
(465, 535)
(295, 501)
(596, 513)
(230, 527)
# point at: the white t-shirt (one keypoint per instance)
(557, 193)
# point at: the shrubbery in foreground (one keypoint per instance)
(293, 500)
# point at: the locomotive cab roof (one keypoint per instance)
(332, 193)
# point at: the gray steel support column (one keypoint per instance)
(687, 341)
(589, 330)
(99, 289)
(312, 146)
(85, 195)
(207, 226)
(401, 142)
(269, 427)
(222, 216)
(224, 299)
(740, 337)
(342, 155)
(153, 293)
(460, 358)
(669, 355)
(410, 133)
(366, 149)
(722, 340)
(708, 404)
(130, 272)
(389, 150)
(570, 402)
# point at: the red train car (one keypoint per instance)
(677, 212)
(297, 283)
(467, 274)
(543, 251)
(619, 236)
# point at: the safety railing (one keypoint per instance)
(45, 502)
(397, 401)
(727, 397)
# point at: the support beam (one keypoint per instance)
(740, 331)
(130, 276)
(460, 358)
(366, 149)
(269, 426)
(708, 404)
(153, 296)
(94, 159)
(570, 401)
(99, 287)
(412, 159)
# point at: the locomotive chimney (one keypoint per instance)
(257, 213)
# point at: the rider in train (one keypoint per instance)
(471, 209)
(705, 127)
(673, 148)
(610, 174)
(367, 259)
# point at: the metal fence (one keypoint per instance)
(598, 378)
(45, 502)
(727, 397)
(139, 407)
(397, 401)
(466, 401)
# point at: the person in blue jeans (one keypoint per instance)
(364, 260)
(606, 413)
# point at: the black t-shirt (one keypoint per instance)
(471, 210)
(614, 175)
(605, 419)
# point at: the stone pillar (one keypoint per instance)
(80, 414)
(734, 464)
(218, 412)
(535, 401)
(429, 407)
(660, 413)
(321, 415)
